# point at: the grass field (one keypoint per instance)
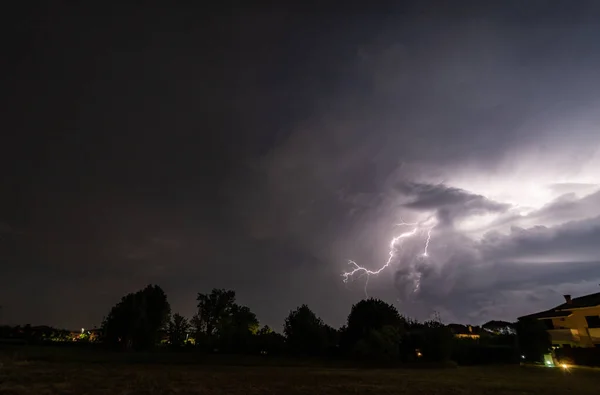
(39, 377)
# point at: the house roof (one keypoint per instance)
(563, 310)
(590, 300)
(547, 314)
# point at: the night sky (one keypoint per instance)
(260, 149)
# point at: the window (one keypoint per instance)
(593, 321)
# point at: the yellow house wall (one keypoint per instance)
(578, 321)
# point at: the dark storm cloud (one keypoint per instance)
(5, 228)
(461, 288)
(501, 268)
(449, 203)
(576, 239)
(581, 188)
(570, 207)
(261, 150)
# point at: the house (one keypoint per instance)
(575, 323)
(464, 331)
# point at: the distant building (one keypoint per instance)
(464, 331)
(575, 323)
(89, 335)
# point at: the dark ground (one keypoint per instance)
(23, 374)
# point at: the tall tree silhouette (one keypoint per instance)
(222, 323)
(305, 332)
(136, 321)
(213, 310)
(236, 331)
(371, 315)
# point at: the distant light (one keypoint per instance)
(82, 330)
(548, 363)
(522, 356)
(419, 354)
(564, 366)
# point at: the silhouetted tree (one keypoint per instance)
(34, 334)
(382, 344)
(368, 316)
(222, 323)
(269, 342)
(305, 332)
(265, 330)
(236, 331)
(136, 321)
(437, 341)
(533, 339)
(178, 329)
(332, 340)
(242, 319)
(213, 309)
(200, 338)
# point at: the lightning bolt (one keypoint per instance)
(402, 223)
(425, 252)
(395, 246)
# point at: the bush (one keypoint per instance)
(379, 345)
(437, 341)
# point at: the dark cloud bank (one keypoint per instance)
(260, 150)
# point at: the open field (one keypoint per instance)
(39, 377)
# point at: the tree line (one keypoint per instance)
(374, 331)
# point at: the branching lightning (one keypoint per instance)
(395, 246)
